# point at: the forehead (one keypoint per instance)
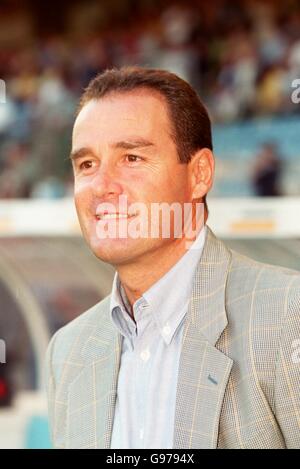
(140, 113)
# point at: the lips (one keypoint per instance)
(114, 216)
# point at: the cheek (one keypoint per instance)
(79, 196)
(82, 195)
(161, 186)
(174, 187)
(140, 186)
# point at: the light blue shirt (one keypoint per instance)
(151, 346)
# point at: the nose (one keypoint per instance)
(105, 183)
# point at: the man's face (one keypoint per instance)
(122, 146)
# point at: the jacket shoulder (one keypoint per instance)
(262, 297)
(75, 332)
(262, 300)
(254, 274)
(89, 317)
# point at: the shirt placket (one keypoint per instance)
(143, 360)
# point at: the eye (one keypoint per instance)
(133, 158)
(86, 165)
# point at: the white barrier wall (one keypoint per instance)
(228, 217)
(14, 420)
(276, 217)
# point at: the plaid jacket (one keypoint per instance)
(239, 374)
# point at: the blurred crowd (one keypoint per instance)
(242, 57)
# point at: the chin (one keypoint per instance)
(114, 251)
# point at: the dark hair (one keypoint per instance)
(191, 127)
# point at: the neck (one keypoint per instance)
(138, 277)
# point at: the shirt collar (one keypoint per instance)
(119, 309)
(167, 310)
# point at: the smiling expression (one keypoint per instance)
(122, 145)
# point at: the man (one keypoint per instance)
(267, 171)
(196, 347)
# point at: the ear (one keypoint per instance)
(202, 168)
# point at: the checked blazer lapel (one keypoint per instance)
(203, 370)
(92, 396)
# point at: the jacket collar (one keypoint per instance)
(207, 308)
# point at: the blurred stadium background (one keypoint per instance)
(241, 56)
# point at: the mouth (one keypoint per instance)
(114, 216)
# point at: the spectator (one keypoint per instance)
(267, 172)
(241, 57)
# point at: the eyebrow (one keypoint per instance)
(74, 155)
(124, 145)
(134, 143)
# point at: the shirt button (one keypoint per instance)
(166, 330)
(145, 355)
